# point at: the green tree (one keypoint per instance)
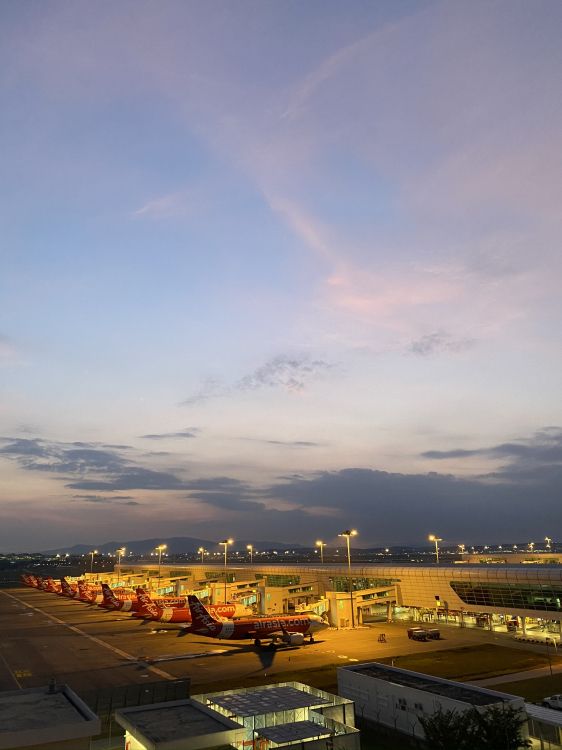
(500, 728)
(495, 728)
(447, 730)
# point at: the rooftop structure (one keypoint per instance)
(178, 724)
(46, 717)
(446, 688)
(398, 698)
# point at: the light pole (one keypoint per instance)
(250, 549)
(225, 543)
(92, 553)
(160, 549)
(348, 533)
(202, 551)
(462, 548)
(436, 539)
(531, 546)
(120, 552)
(548, 540)
(321, 545)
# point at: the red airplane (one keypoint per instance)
(67, 589)
(112, 600)
(53, 587)
(151, 610)
(284, 629)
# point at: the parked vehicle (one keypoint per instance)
(417, 634)
(553, 701)
(433, 634)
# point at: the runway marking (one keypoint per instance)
(118, 651)
(12, 675)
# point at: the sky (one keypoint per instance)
(273, 270)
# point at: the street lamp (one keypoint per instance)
(160, 549)
(225, 543)
(531, 546)
(321, 544)
(92, 553)
(348, 533)
(548, 540)
(202, 551)
(250, 549)
(462, 548)
(120, 552)
(436, 539)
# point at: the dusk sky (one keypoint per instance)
(271, 270)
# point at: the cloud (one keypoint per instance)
(211, 388)
(439, 342)
(190, 432)
(180, 204)
(116, 499)
(291, 374)
(133, 478)
(543, 449)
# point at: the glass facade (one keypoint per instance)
(542, 597)
(341, 583)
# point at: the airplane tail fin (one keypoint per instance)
(147, 607)
(65, 588)
(201, 618)
(110, 601)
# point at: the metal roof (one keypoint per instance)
(266, 700)
(298, 730)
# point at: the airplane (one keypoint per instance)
(151, 610)
(53, 587)
(112, 600)
(28, 579)
(89, 594)
(283, 629)
(67, 589)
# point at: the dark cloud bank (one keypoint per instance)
(520, 500)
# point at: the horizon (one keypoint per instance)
(280, 268)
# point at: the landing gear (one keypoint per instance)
(257, 642)
(311, 639)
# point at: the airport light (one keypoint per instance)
(160, 549)
(531, 546)
(548, 540)
(436, 539)
(92, 553)
(321, 544)
(462, 548)
(348, 533)
(202, 551)
(120, 552)
(250, 549)
(225, 543)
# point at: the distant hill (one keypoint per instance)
(176, 545)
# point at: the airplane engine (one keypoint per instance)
(293, 639)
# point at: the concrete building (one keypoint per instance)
(398, 698)
(275, 716)
(514, 597)
(48, 718)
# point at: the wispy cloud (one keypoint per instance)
(291, 374)
(439, 342)
(285, 372)
(113, 499)
(171, 206)
(189, 432)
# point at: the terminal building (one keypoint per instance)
(519, 598)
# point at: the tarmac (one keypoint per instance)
(43, 635)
